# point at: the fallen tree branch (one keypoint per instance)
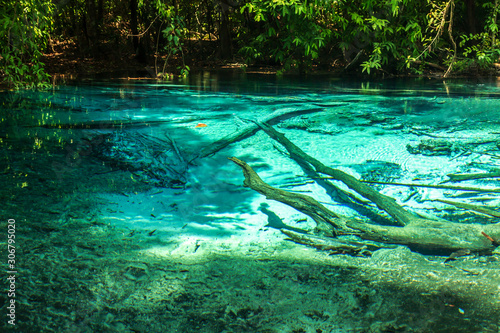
(385, 203)
(476, 208)
(328, 244)
(469, 176)
(250, 130)
(418, 233)
(324, 218)
(446, 187)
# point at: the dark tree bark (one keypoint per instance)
(91, 29)
(210, 23)
(470, 19)
(100, 13)
(139, 49)
(226, 50)
(133, 24)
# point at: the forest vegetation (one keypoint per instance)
(370, 37)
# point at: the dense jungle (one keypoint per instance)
(40, 39)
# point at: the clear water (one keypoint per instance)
(52, 180)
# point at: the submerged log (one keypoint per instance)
(324, 218)
(416, 232)
(475, 208)
(250, 129)
(384, 202)
(458, 177)
(328, 244)
(445, 187)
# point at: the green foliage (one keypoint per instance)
(477, 52)
(482, 49)
(24, 31)
(174, 34)
(292, 33)
(388, 32)
(372, 36)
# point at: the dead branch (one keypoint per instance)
(248, 131)
(324, 218)
(475, 208)
(385, 203)
(446, 187)
(458, 177)
(327, 244)
(418, 233)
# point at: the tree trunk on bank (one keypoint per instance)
(225, 43)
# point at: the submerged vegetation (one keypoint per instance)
(170, 37)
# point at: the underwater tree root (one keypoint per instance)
(416, 232)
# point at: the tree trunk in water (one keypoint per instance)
(417, 233)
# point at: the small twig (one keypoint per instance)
(296, 184)
(179, 155)
(358, 55)
(493, 241)
(490, 154)
(476, 208)
(470, 176)
(467, 271)
(143, 33)
(446, 187)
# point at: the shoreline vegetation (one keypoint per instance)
(164, 39)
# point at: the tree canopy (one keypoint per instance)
(369, 36)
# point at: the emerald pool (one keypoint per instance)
(129, 217)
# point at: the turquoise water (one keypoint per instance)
(124, 206)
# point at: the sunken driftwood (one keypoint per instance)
(330, 244)
(324, 218)
(250, 129)
(469, 176)
(447, 187)
(475, 208)
(156, 161)
(416, 232)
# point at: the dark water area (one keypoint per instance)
(122, 213)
